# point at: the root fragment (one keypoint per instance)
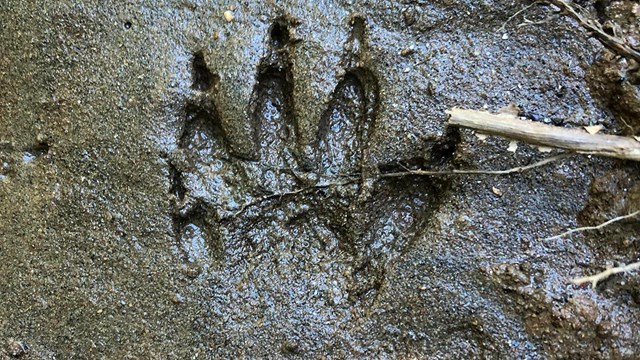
(586, 228)
(616, 44)
(594, 279)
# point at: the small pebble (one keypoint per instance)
(228, 15)
(177, 299)
(16, 348)
(407, 51)
(409, 16)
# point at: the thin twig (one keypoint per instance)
(594, 279)
(527, 22)
(586, 228)
(627, 125)
(613, 43)
(503, 27)
(476, 172)
(394, 175)
(286, 193)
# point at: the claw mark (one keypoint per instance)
(40, 149)
(177, 188)
(356, 46)
(279, 35)
(203, 79)
(203, 134)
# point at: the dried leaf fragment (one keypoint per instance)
(593, 129)
(481, 136)
(511, 109)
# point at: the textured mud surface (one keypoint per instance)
(176, 185)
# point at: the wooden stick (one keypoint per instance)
(578, 140)
(594, 279)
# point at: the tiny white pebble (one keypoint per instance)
(228, 15)
(505, 36)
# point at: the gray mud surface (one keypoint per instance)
(174, 185)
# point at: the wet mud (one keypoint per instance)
(176, 183)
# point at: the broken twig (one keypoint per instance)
(260, 200)
(503, 27)
(586, 228)
(613, 43)
(594, 279)
(577, 140)
(476, 172)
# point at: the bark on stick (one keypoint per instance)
(578, 140)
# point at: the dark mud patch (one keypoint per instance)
(203, 79)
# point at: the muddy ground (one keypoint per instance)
(176, 184)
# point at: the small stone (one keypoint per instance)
(228, 16)
(177, 299)
(505, 36)
(497, 191)
(409, 16)
(289, 347)
(481, 136)
(407, 51)
(191, 270)
(16, 348)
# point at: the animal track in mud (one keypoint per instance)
(229, 208)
